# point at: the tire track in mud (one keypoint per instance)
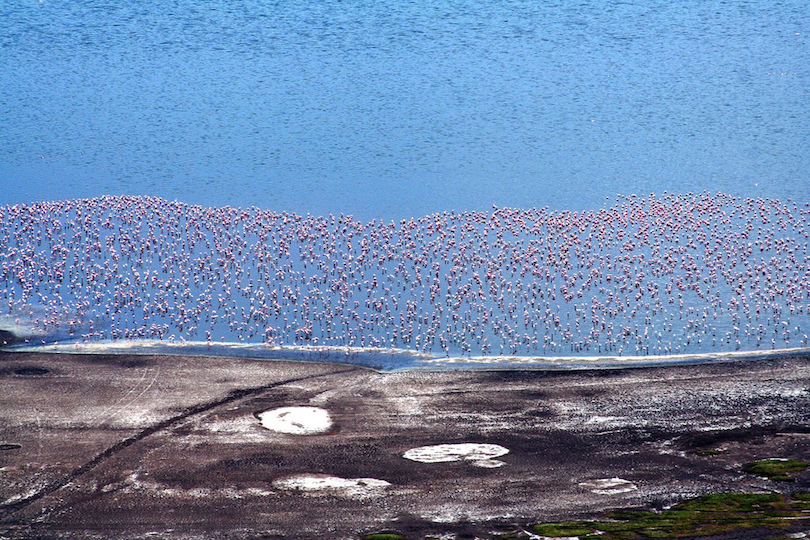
(8, 509)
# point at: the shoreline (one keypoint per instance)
(399, 360)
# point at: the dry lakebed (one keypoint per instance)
(140, 446)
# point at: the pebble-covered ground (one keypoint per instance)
(652, 275)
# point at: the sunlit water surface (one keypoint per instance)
(393, 111)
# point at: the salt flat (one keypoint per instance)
(125, 446)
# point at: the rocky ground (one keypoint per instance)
(115, 446)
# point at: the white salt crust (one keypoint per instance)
(609, 486)
(478, 454)
(297, 420)
(334, 485)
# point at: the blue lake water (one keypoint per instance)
(399, 109)
(389, 111)
(649, 278)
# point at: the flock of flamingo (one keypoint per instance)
(651, 275)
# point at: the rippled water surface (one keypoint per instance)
(397, 109)
(383, 180)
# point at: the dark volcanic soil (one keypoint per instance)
(95, 446)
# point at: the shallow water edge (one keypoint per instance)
(399, 360)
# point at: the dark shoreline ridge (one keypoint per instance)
(128, 445)
(8, 339)
(675, 274)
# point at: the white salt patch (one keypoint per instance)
(605, 419)
(351, 487)
(444, 514)
(478, 454)
(487, 463)
(297, 420)
(134, 482)
(609, 486)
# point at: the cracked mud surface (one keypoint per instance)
(173, 447)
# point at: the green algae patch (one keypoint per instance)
(778, 470)
(710, 452)
(384, 536)
(704, 516)
(566, 529)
